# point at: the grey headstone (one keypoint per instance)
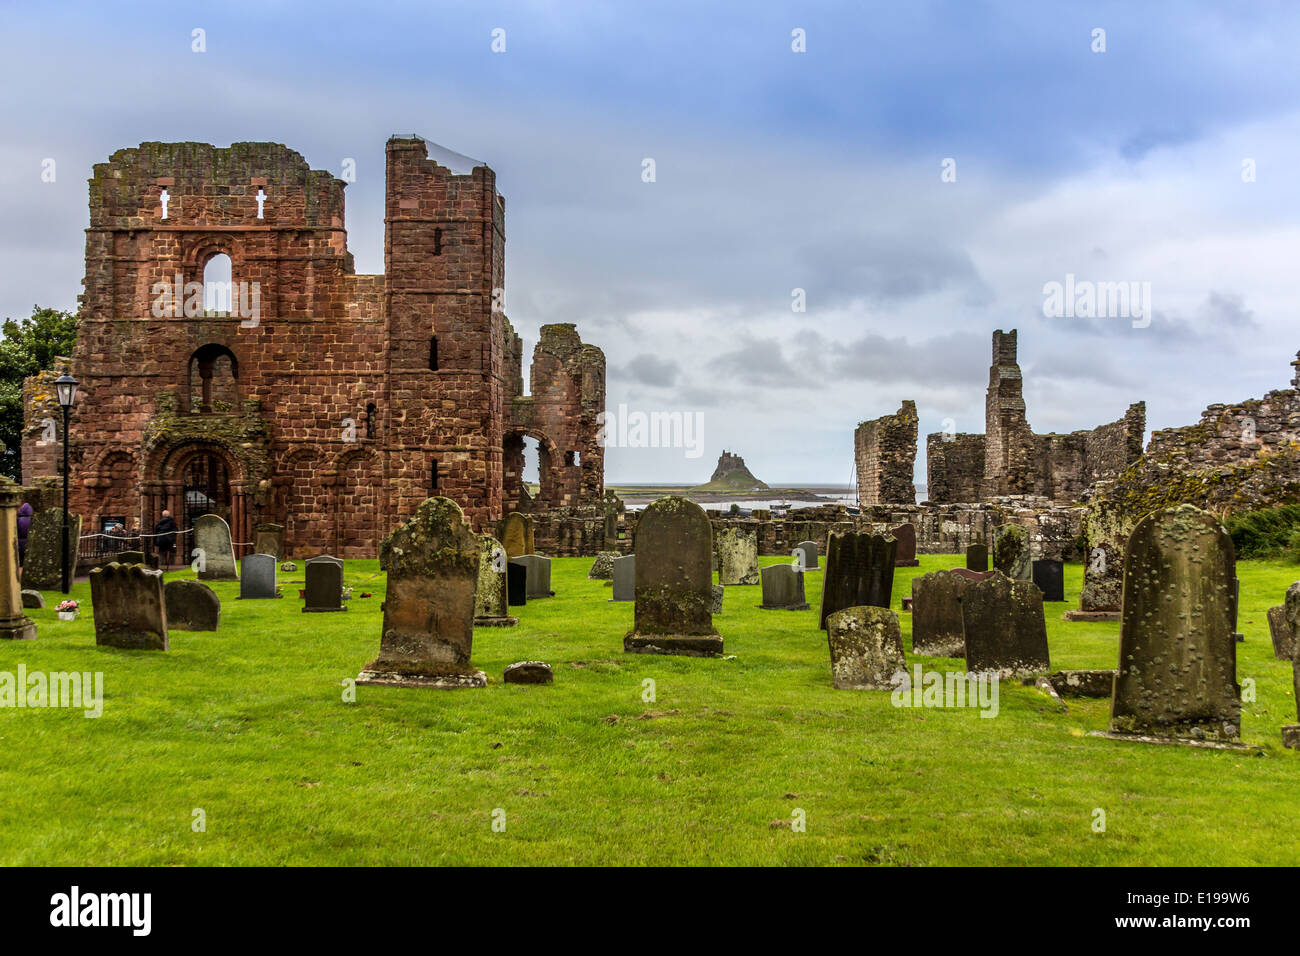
(539, 575)
(324, 584)
(783, 588)
(624, 578)
(811, 555)
(43, 566)
(33, 599)
(1004, 627)
(859, 572)
(719, 592)
(1279, 629)
(257, 578)
(737, 554)
(674, 587)
(212, 537)
(191, 606)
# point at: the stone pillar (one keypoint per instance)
(14, 624)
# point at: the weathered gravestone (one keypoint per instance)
(1291, 732)
(14, 624)
(257, 577)
(866, 646)
(538, 581)
(324, 585)
(1011, 552)
(1278, 628)
(43, 565)
(517, 534)
(674, 587)
(1177, 657)
(810, 554)
(1004, 627)
(737, 551)
(624, 578)
(977, 557)
(1049, 575)
(191, 606)
(36, 601)
(516, 584)
(783, 589)
(529, 672)
(968, 575)
(936, 614)
(859, 572)
(216, 551)
(129, 607)
(269, 539)
(718, 592)
(602, 569)
(130, 557)
(490, 598)
(1106, 534)
(905, 553)
(432, 563)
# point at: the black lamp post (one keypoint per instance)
(66, 386)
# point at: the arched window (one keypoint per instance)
(217, 285)
(213, 380)
(372, 412)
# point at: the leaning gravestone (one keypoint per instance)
(1049, 575)
(602, 569)
(257, 579)
(539, 575)
(191, 606)
(490, 598)
(810, 554)
(783, 589)
(737, 557)
(432, 564)
(36, 601)
(859, 572)
(269, 539)
(977, 557)
(516, 584)
(1278, 628)
(866, 648)
(1011, 552)
(624, 578)
(324, 586)
(905, 555)
(130, 610)
(1004, 627)
(14, 624)
(517, 534)
(43, 565)
(674, 587)
(936, 614)
(1177, 657)
(216, 550)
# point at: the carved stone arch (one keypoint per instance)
(299, 501)
(212, 380)
(358, 482)
(111, 488)
(515, 496)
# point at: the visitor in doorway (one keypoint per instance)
(24, 522)
(166, 541)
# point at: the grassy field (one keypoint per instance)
(249, 725)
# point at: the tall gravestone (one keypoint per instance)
(737, 556)
(1011, 552)
(258, 578)
(130, 609)
(1280, 630)
(674, 586)
(1177, 656)
(43, 565)
(1106, 534)
(783, 589)
(866, 647)
(1004, 627)
(14, 624)
(432, 564)
(191, 606)
(490, 607)
(905, 553)
(538, 580)
(217, 549)
(517, 534)
(810, 554)
(624, 578)
(269, 539)
(1049, 575)
(937, 629)
(859, 572)
(977, 557)
(1291, 732)
(324, 585)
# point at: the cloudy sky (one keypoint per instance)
(775, 170)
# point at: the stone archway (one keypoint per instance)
(514, 494)
(194, 478)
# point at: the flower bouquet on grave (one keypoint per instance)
(68, 610)
(347, 593)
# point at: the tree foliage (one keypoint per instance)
(29, 346)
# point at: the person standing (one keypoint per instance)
(166, 530)
(24, 523)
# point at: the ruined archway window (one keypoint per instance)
(433, 354)
(213, 380)
(217, 285)
(571, 458)
(371, 424)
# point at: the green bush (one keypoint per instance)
(1270, 533)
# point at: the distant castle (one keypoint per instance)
(731, 468)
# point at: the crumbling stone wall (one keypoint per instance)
(349, 399)
(884, 451)
(1014, 460)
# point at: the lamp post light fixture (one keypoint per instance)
(66, 387)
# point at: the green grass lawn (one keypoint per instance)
(249, 724)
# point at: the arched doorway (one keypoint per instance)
(205, 488)
(518, 464)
